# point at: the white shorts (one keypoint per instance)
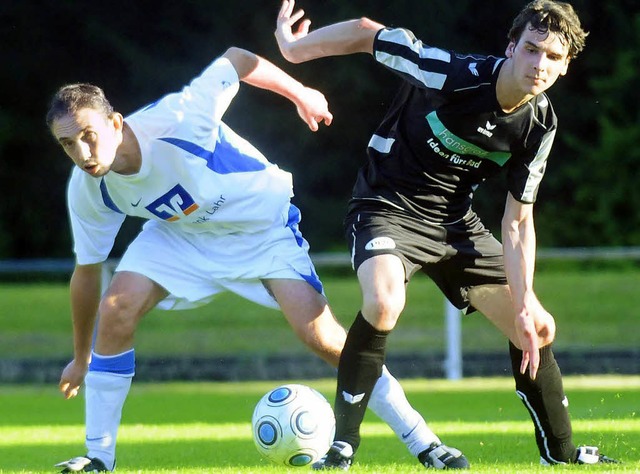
(194, 268)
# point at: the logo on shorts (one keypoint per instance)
(380, 243)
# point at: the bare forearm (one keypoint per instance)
(261, 73)
(519, 243)
(311, 105)
(348, 37)
(85, 297)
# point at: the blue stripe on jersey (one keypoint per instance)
(293, 220)
(107, 199)
(121, 364)
(224, 159)
(151, 105)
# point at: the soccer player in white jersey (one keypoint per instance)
(219, 218)
(456, 120)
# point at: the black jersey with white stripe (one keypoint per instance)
(445, 133)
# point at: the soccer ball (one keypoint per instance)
(293, 425)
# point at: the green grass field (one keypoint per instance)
(593, 309)
(205, 427)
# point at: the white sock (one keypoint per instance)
(105, 394)
(389, 402)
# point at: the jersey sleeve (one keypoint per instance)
(214, 89)
(525, 173)
(199, 106)
(426, 66)
(401, 52)
(93, 225)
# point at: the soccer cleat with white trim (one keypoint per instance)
(591, 455)
(586, 455)
(339, 457)
(440, 456)
(82, 464)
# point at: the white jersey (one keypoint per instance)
(196, 174)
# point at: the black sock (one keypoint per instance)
(359, 369)
(545, 400)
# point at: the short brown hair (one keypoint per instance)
(551, 16)
(73, 97)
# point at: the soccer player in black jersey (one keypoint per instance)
(456, 120)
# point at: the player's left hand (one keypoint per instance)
(285, 35)
(313, 108)
(71, 378)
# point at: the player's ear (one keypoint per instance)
(117, 120)
(510, 47)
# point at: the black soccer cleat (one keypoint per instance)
(82, 464)
(339, 457)
(585, 455)
(440, 456)
(591, 455)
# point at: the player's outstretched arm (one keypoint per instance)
(297, 46)
(85, 290)
(519, 244)
(254, 70)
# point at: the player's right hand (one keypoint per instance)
(313, 108)
(71, 379)
(285, 35)
(528, 338)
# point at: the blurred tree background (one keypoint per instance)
(138, 50)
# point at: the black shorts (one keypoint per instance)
(456, 256)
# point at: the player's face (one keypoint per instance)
(538, 60)
(90, 139)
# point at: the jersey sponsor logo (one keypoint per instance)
(211, 211)
(173, 205)
(454, 158)
(486, 130)
(450, 147)
(380, 243)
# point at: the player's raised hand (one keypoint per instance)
(313, 108)
(285, 34)
(71, 379)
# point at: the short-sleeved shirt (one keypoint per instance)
(445, 133)
(197, 175)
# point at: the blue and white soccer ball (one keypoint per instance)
(293, 425)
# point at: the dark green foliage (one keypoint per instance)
(140, 50)
(599, 177)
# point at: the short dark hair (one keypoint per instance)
(73, 97)
(551, 16)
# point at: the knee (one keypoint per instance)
(547, 331)
(118, 318)
(383, 311)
